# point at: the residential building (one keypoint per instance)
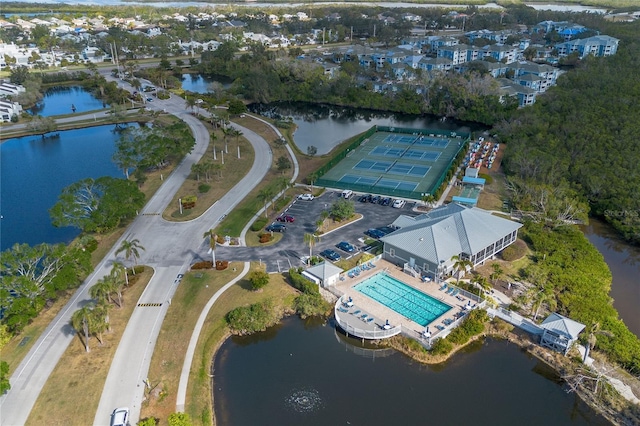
(559, 332)
(526, 95)
(500, 52)
(547, 74)
(601, 45)
(9, 89)
(8, 109)
(456, 53)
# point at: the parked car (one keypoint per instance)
(120, 417)
(285, 218)
(345, 246)
(398, 204)
(375, 233)
(374, 199)
(386, 201)
(149, 99)
(306, 197)
(363, 198)
(330, 254)
(276, 227)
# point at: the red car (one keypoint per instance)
(285, 218)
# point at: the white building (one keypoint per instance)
(9, 89)
(8, 109)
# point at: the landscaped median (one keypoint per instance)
(73, 391)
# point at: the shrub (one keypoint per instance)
(189, 202)
(252, 318)
(203, 187)
(471, 326)
(202, 265)
(514, 251)
(179, 419)
(301, 283)
(441, 347)
(149, 421)
(221, 265)
(308, 305)
(259, 224)
(486, 177)
(258, 279)
(265, 238)
(220, 239)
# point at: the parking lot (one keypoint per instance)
(288, 251)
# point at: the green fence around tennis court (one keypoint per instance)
(403, 193)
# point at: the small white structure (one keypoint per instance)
(323, 274)
(559, 332)
(9, 89)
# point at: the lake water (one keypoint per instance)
(624, 262)
(201, 84)
(326, 126)
(59, 100)
(303, 373)
(33, 172)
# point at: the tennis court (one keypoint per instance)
(397, 162)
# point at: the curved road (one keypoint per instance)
(170, 248)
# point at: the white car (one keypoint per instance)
(120, 417)
(305, 197)
(398, 204)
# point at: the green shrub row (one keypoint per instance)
(259, 224)
(471, 326)
(301, 283)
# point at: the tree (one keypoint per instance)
(312, 178)
(131, 249)
(311, 240)
(592, 339)
(191, 102)
(80, 321)
(461, 265)
(97, 205)
(265, 195)
(283, 184)
(497, 272)
(179, 419)
(283, 163)
(258, 279)
(42, 125)
(102, 289)
(312, 150)
(119, 271)
(236, 107)
(428, 199)
(342, 209)
(5, 385)
(482, 283)
(19, 75)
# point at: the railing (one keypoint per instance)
(364, 334)
(516, 319)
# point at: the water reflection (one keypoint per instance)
(325, 126)
(624, 262)
(305, 376)
(61, 100)
(199, 83)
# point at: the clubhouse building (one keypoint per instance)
(425, 244)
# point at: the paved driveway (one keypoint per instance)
(287, 252)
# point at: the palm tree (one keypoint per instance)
(544, 296)
(80, 321)
(131, 249)
(460, 264)
(100, 320)
(117, 285)
(213, 144)
(283, 184)
(592, 340)
(312, 178)
(265, 196)
(197, 169)
(207, 168)
(428, 199)
(101, 291)
(191, 102)
(311, 240)
(118, 269)
(482, 284)
(226, 132)
(497, 272)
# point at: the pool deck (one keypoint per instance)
(381, 313)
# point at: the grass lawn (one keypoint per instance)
(186, 307)
(73, 391)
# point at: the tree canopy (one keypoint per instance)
(97, 205)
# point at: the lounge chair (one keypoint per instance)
(364, 317)
(460, 298)
(341, 309)
(450, 290)
(350, 274)
(356, 312)
(455, 292)
(369, 319)
(444, 287)
(439, 327)
(372, 265)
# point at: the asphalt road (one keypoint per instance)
(169, 249)
(287, 252)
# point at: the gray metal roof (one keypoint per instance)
(562, 325)
(449, 231)
(324, 270)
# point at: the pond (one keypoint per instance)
(199, 83)
(33, 173)
(304, 373)
(325, 126)
(61, 100)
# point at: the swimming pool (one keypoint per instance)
(405, 300)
